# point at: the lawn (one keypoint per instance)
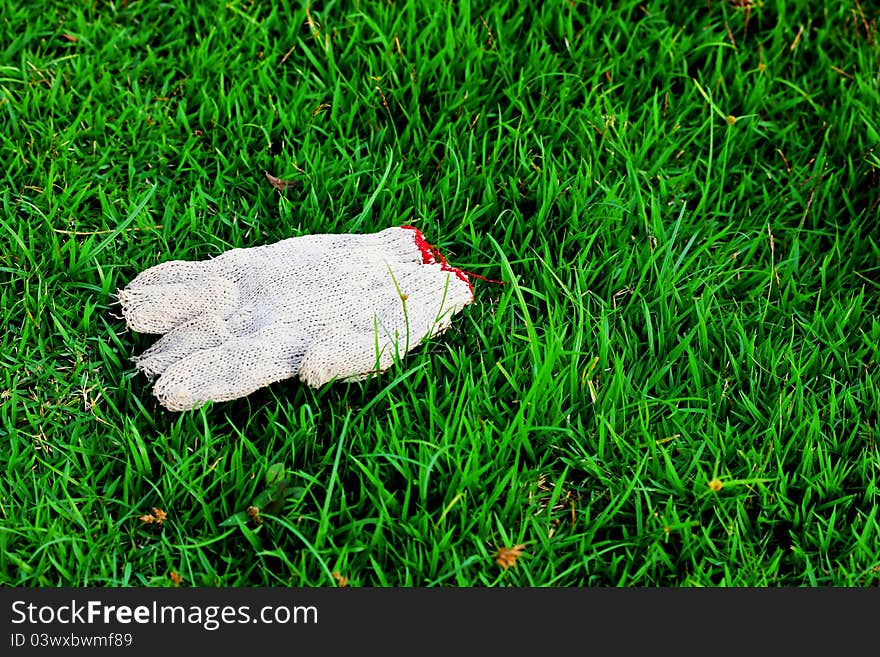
(675, 383)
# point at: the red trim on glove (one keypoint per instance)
(431, 255)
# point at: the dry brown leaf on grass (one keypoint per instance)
(175, 578)
(342, 580)
(157, 516)
(279, 183)
(253, 513)
(507, 556)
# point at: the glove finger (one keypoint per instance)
(172, 293)
(195, 335)
(234, 369)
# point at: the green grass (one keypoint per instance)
(687, 299)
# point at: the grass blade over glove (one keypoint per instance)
(323, 307)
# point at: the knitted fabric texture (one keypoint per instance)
(323, 307)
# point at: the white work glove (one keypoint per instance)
(323, 307)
